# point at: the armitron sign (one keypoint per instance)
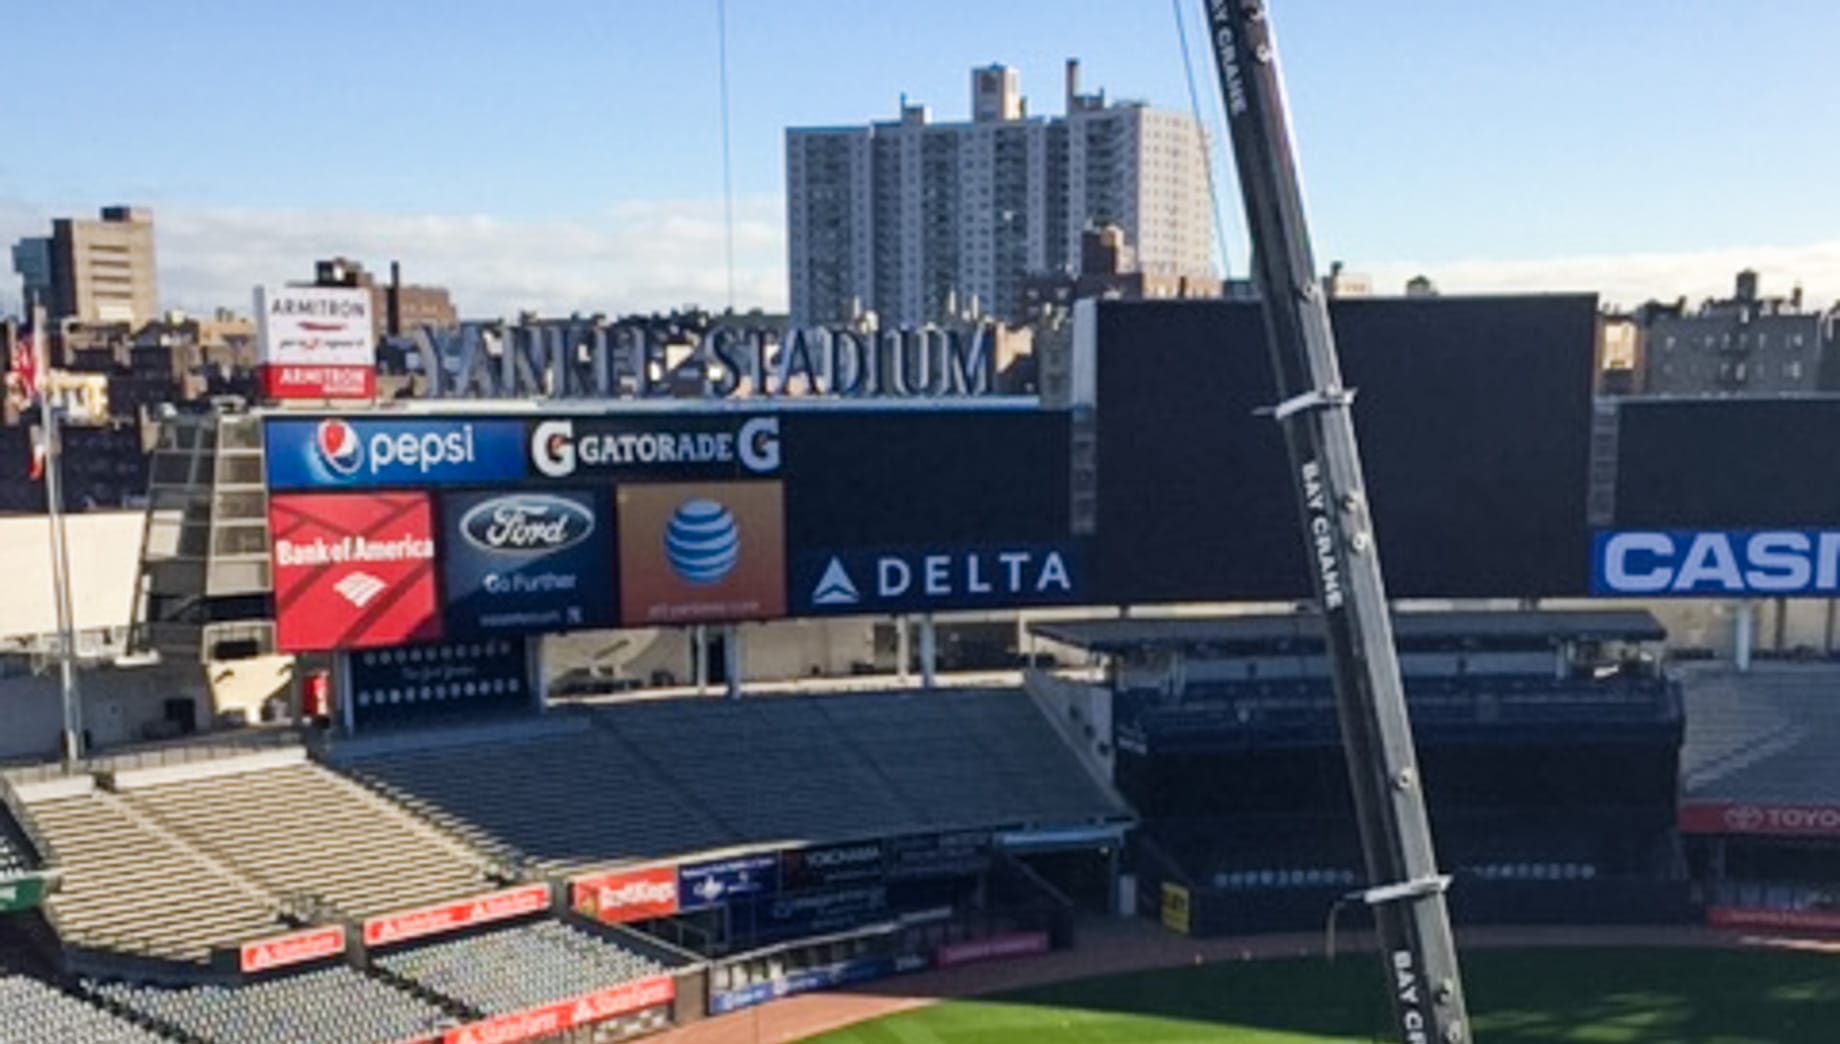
(586, 360)
(434, 920)
(315, 342)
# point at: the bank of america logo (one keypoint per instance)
(359, 588)
(835, 587)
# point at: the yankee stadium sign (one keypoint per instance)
(593, 360)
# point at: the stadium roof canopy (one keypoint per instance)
(1286, 632)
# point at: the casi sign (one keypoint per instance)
(587, 359)
(1690, 563)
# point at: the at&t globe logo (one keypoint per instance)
(338, 447)
(702, 541)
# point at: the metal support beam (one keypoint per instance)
(1315, 411)
(902, 653)
(699, 657)
(929, 652)
(1744, 627)
(732, 660)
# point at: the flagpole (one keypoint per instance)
(60, 549)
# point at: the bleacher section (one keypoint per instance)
(337, 1005)
(686, 775)
(130, 887)
(1771, 735)
(33, 1013)
(14, 859)
(301, 830)
(515, 969)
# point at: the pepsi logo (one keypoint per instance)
(702, 542)
(338, 446)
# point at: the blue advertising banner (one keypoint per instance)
(802, 980)
(723, 880)
(348, 452)
(806, 913)
(1700, 563)
(922, 579)
(420, 683)
(527, 562)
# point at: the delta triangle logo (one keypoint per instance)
(835, 587)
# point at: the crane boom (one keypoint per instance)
(1406, 892)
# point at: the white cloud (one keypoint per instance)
(648, 255)
(1630, 279)
(639, 255)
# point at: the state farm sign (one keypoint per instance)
(1719, 817)
(629, 895)
(434, 920)
(565, 1015)
(316, 342)
(280, 951)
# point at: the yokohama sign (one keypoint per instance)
(434, 920)
(565, 1015)
(280, 951)
(631, 895)
(1729, 817)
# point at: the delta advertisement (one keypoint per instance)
(898, 580)
(692, 552)
(316, 342)
(527, 562)
(353, 571)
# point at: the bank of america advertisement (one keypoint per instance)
(701, 551)
(316, 342)
(353, 570)
(524, 561)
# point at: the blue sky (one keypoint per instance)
(569, 151)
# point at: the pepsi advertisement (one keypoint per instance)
(358, 452)
(524, 561)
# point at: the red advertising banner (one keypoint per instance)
(995, 948)
(281, 951)
(353, 570)
(434, 920)
(628, 895)
(566, 1015)
(1730, 817)
(1795, 920)
(318, 382)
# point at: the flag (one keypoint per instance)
(23, 381)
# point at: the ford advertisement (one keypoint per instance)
(1716, 563)
(408, 452)
(522, 562)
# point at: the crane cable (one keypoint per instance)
(1194, 105)
(728, 181)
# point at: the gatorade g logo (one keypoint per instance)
(558, 449)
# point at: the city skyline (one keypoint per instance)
(1503, 149)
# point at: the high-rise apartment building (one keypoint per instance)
(918, 221)
(102, 271)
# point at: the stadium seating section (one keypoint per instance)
(515, 969)
(690, 775)
(34, 1013)
(336, 1005)
(131, 887)
(1768, 736)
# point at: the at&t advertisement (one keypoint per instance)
(527, 561)
(701, 551)
(353, 570)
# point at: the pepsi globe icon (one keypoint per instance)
(702, 541)
(338, 446)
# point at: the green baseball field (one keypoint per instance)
(1718, 996)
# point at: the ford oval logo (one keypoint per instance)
(526, 523)
(702, 541)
